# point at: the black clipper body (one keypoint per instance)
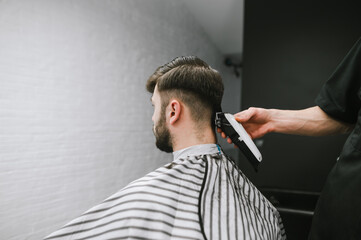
(239, 136)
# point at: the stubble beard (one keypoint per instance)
(162, 135)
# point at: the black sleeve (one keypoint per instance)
(340, 95)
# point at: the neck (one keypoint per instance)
(191, 136)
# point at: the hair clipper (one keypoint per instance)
(239, 136)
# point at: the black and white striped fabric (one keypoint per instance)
(200, 195)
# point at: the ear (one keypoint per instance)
(175, 111)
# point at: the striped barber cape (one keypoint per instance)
(201, 194)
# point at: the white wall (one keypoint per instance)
(75, 118)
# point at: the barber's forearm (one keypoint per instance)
(311, 122)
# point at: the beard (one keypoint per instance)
(162, 136)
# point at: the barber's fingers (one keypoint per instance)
(221, 132)
(224, 135)
(230, 142)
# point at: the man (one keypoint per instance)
(338, 110)
(201, 194)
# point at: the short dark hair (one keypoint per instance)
(194, 82)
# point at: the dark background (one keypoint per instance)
(290, 49)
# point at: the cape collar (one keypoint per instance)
(196, 150)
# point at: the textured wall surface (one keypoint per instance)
(75, 119)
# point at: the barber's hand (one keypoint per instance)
(224, 136)
(256, 121)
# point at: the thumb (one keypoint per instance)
(243, 116)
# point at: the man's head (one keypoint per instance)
(184, 83)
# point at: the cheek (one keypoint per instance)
(155, 115)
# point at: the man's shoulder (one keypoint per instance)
(150, 202)
(175, 175)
